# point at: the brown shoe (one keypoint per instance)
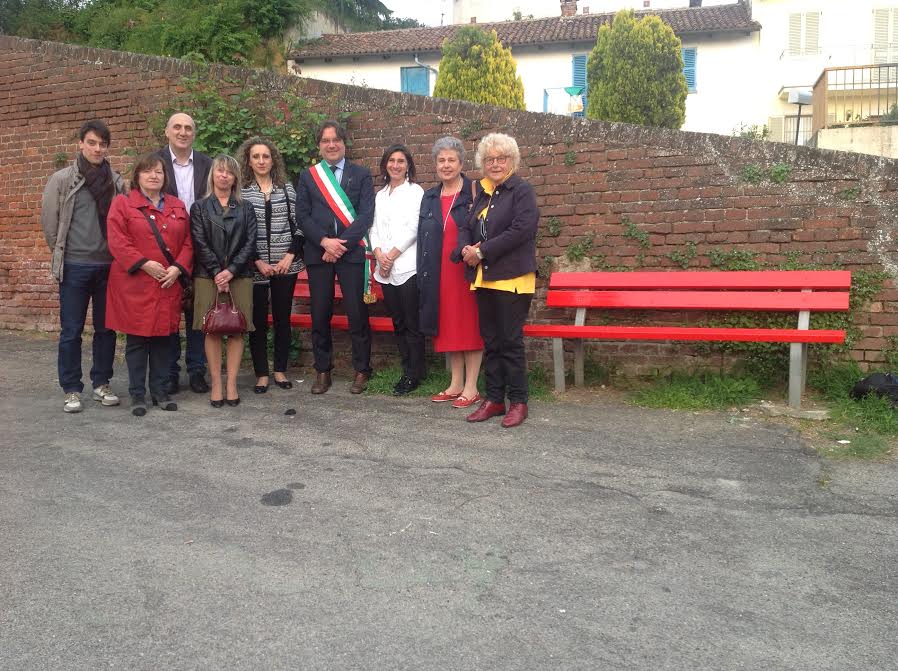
(517, 413)
(322, 383)
(360, 383)
(486, 410)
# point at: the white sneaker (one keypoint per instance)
(72, 403)
(104, 395)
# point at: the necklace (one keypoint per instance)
(443, 191)
(449, 210)
(266, 191)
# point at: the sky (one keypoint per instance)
(425, 11)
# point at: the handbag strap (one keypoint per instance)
(230, 300)
(166, 252)
(151, 220)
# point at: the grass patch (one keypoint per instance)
(437, 380)
(861, 445)
(872, 414)
(699, 391)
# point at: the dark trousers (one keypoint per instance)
(321, 291)
(281, 289)
(195, 356)
(140, 350)
(402, 304)
(83, 284)
(502, 317)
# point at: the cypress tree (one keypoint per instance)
(476, 67)
(635, 73)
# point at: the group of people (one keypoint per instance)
(456, 262)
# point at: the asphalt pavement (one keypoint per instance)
(375, 533)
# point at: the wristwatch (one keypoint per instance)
(478, 253)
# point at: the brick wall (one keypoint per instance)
(692, 195)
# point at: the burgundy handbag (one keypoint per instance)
(224, 318)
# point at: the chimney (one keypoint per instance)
(473, 19)
(568, 7)
(586, 10)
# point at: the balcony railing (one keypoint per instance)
(856, 96)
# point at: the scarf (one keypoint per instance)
(99, 182)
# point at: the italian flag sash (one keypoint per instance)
(339, 203)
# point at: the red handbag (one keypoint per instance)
(224, 318)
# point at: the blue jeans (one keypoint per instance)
(195, 357)
(83, 283)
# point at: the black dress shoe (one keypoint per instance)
(406, 385)
(233, 402)
(173, 386)
(198, 383)
(216, 404)
(260, 389)
(284, 384)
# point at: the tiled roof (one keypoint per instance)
(580, 28)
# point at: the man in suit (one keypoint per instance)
(187, 173)
(334, 229)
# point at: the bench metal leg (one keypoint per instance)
(798, 360)
(558, 359)
(798, 363)
(579, 320)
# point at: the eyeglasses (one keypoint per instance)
(491, 160)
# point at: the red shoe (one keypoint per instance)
(517, 413)
(465, 402)
(442, 397)
(486, 410)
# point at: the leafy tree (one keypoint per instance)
(227, 112)
(635, 73)
(222, 31)
(476, 67)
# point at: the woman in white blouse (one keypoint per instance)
(393, 237)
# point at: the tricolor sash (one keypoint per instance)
(340, 205)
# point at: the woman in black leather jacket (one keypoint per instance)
(223, 228)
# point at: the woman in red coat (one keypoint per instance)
(149, 239)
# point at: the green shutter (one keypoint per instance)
(689, 68)
(578, 78)
(415, 80)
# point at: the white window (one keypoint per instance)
(804, 33)
(885, 36)
(782, 128)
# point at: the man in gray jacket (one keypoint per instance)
(73, 215)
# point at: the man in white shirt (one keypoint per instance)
(187, 173)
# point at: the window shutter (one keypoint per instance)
(775, 127)
(885, 31)
(812, 33)
(689, 57)
(795, 34)
(578, 78)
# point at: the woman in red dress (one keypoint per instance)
(448, 306)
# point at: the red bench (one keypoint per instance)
(796, 291)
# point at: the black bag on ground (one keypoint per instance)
(881, 384)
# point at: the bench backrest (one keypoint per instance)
(775, 290)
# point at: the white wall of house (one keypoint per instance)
(726, 82)
(371, 71)
(876, 140)
(722, 100)
(844, 37)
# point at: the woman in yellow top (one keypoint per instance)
(498, 244)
